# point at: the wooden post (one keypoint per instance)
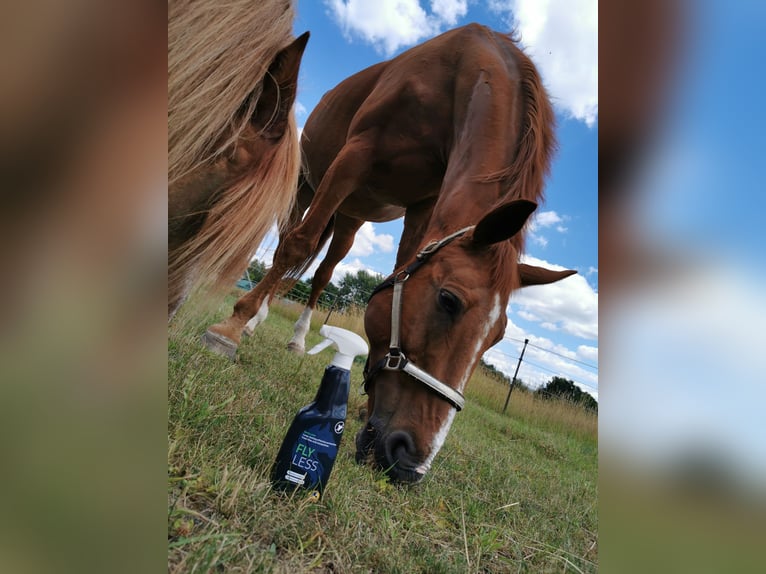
(513, 382)
(334, 301)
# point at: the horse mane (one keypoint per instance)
(218, 54)
(238, 221)
(525, 177)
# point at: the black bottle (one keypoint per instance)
(311, 445)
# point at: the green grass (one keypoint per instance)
(507, 493)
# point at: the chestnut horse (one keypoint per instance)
(458, 133)
(233, 155)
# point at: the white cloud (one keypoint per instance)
(561, 37)
(449, 11)
(543, 359)
(587, 353)
(393, 24)
(342, 268)
(545, 220)
(386, 24)
(367, 241)
(538, 239)
(300, 109)
(527, 316)
(268, 246)
(570, 305)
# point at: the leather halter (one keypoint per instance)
(395, 360)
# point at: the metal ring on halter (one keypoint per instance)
(395, 359)
(395, 362)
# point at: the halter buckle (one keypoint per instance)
(428, 249)
(402, 276)
(395, 362)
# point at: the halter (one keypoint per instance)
(395, 360)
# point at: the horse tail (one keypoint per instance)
(296, 272)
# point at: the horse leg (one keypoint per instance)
(258, 318)
(343, 177)
(342, 240)
(300, 205)
(416, 221)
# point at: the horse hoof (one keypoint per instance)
(294, 348)
(220, 344)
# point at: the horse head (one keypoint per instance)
(449, 310)
(220, 208)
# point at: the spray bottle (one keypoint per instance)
(308, 452)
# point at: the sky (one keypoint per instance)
(694, 336)
(560, 320)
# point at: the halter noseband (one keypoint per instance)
(395, 360)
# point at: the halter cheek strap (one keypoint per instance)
(395, 360)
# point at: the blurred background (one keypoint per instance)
(83, 137)
(682, 434)
(83, 172)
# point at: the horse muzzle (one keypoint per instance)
(393, 452)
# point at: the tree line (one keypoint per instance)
(557, 388)
(353, 290)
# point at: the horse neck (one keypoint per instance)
(462, 205)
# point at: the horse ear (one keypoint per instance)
(532, 275)
(279, 88)
(503, 222)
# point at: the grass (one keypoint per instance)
(507, 493)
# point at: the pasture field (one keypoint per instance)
(507, 493)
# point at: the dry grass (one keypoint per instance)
(556, 415)
(507, 493)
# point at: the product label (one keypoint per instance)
(314, 454)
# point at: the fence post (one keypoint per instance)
(334, 301)
(513, 382)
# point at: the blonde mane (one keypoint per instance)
(218, 55)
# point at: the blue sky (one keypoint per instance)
(350, 35)
(693, 334)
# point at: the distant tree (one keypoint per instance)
(329, 295)
(300, 291)
(356, 289)
(522, 386)
(567, 390)
(493, 372)
(256, 271)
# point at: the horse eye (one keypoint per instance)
(449, 302)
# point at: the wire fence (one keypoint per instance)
(341, 303)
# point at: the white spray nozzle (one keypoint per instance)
(348, 343)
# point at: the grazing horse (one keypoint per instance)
(458, 133)
(233, 155)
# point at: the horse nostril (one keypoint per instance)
(400, 456)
